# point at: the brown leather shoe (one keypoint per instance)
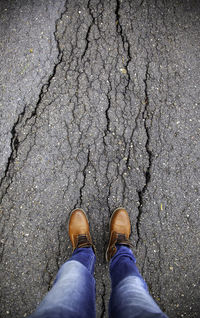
(79, 231)
(120, 229)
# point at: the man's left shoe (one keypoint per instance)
(79, 231)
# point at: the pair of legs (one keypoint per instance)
(73, 292)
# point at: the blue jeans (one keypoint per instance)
(73, 292)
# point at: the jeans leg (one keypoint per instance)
(130, 296)
(73, 292)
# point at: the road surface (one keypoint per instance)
(99, 108)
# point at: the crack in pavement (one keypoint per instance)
(15, 140)
(103, 300)
(89, 29)
(107, 129)
(141, 193)
(14, 145)
(84, 172)
(124, 39)
(45, 87)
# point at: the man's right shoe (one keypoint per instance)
(120, 230)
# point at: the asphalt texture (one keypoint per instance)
(99, 108)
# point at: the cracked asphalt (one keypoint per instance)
(99, 108)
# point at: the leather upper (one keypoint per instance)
(79, 231)
(120, 229)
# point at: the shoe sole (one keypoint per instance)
(109, 228)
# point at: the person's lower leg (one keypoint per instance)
(130, 296)
(73, 292)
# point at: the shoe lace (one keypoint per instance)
(82, 238)
(122, 239)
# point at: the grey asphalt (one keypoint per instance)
(99, 108)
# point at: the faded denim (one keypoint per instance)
(73, 292)
(130, 297)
